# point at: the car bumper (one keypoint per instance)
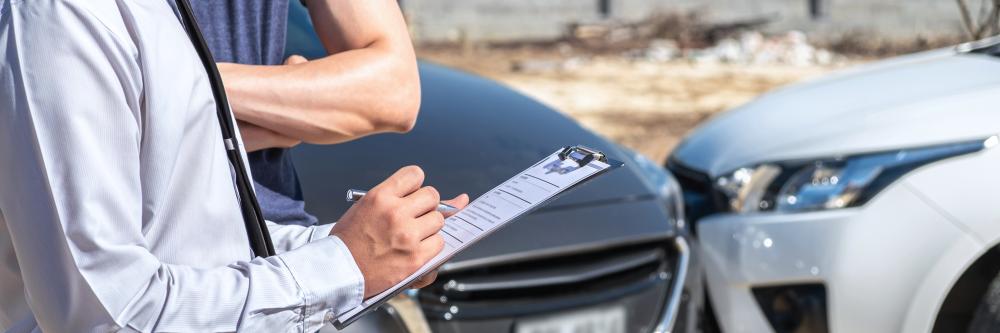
(666, 303)
(879, 268)
(660, 303)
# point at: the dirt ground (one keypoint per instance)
(645, 105)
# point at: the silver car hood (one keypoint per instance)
(922, 99)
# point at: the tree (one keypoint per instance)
(984, 22)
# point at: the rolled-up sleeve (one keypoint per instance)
(70, 137)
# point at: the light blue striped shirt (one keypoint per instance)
(118, 206)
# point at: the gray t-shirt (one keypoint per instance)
(253, 32)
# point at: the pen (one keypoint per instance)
(355, 195)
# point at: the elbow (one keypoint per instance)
(390, 103)
(406, 96)
(403, 104)
(408, 110)
(397, 87)
(396, 112)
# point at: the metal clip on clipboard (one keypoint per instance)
(582, 155)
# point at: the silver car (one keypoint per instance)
(866, 201)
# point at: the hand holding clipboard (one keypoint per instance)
(528, 190)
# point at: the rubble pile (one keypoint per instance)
(677, 38)
(752, 47)
(688, 37)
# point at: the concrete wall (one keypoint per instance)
(506, 20)
(885, 18)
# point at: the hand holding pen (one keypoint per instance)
(354, 195)
(394, 229)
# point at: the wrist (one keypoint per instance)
(237, 79)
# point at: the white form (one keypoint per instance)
(492, 210)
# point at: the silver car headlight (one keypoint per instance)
(830, 183)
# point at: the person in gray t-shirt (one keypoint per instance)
(367, 84)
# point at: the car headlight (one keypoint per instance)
(832, 183)
(664, 184)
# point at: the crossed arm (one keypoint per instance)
(367, 84)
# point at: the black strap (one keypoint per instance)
(260, 239)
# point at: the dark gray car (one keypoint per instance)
(610, 256)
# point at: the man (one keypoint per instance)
(117, 205)
(367, 84)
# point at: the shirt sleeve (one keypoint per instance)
(287, 237)
(70, 133)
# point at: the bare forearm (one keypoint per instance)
(367, 84)
(329, 100)
(256, 138)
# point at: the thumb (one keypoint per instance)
(458, 202)
(296, 59)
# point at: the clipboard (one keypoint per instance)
(564, 161)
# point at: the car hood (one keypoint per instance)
(473, 134)
(927, 98)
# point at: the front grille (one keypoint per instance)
(550, 284)
(700, 198)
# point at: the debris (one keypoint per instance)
(662, 50)
(665, 38)
(546, 65)
(791, 48)
(535, 66)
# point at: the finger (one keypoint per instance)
(430, 247)
(403, 182)
(420, 202)
(428, 225)
(459, 202)
(425, 280)
(296, 59)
